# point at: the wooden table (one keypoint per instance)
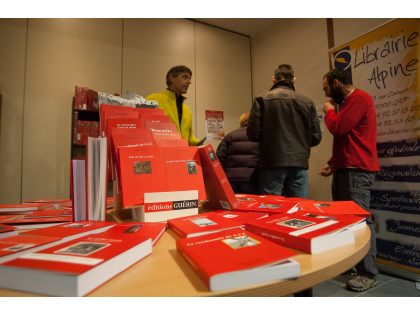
(165, 273)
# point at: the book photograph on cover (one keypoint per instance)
(143, 167)
(320, 216)
(212, 155)
(240, 242)
(191, 167)
(203, 222)
(295, 223)
(83, 248)
(132, 229)
(18, 247)
(263, 205)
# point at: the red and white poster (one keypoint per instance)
(215, 125)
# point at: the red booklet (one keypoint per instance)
(149, 230)
(201, 224)
(183, 170)
(305, 233)
(6, 231)
(44, 216)
(241, 217)
(15, 246)
(237, 258)
(76, 267)
(141, 171)
(73, 230)
(106, 111)
(333, 208)
(219, 192)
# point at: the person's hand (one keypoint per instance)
(326, 171)
(328, 106)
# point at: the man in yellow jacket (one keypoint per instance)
(171, 100)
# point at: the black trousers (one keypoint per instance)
(355, 184)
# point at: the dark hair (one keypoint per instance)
(284, 72)
(175, 71)
(339, 74)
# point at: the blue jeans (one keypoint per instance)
(286, 181)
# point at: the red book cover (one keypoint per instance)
(141, 171)
(71, 230)
(171, 142)
(23, 207)
(145, 229)
(57, 203)
(333, 208)
(44, 216)
(15, 246)
(149, 111)
(155, 117)
(6, 231)
(237, 258)
(76, 267)
(269, 206)
(201, 224)
(241, 217)
(183, 170)
(106, 111)
(162, 130)
(304, 233)
(219, 192)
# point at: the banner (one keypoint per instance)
(384, 63)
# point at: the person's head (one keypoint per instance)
(178, 79)
(335, 84)
(284, 72)
(243, 120)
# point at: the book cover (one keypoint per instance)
(183, 170)
(43, 216)
(15, 246)
(141, 171)
(333, 208)
(148, 230)
(237, 258)
(218, 190)
(202, 224)
(72, 230)
(162, 130)
(6, 231)
(76, 267)
(305, 233)
(107, 110)
(268, 206)
(241, 217)
(24, 207)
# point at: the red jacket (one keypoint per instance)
(354, 130)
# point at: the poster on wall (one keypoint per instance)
(215, 125)
(385, 62)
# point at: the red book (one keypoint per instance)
(149, 111)
(141, 171)
(76, 267)
(40, 217)
(171, 142)
(68, 231)
(183, 170)
(333, 208)
(271, 207)
(155, 117)
(57, 203)
(237, 258)
(241, 217)
(201, 224)
(6, 231)
(219, 192)
(106, 111)
(24, 207)
(15, 246)
(307, 234)
(148, 230)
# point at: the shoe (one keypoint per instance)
(351, 272)
(361, 283)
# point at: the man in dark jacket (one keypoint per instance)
(239, 158)
(287, 126)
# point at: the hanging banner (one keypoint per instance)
(215, 125)
(384, 63)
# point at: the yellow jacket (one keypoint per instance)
(167, 102)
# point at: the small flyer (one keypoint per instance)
(215, 125)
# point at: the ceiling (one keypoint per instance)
(249, 27)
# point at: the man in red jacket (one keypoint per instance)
(350, 117)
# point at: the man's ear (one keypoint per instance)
(273, 78)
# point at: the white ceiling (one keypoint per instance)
(249, 27)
